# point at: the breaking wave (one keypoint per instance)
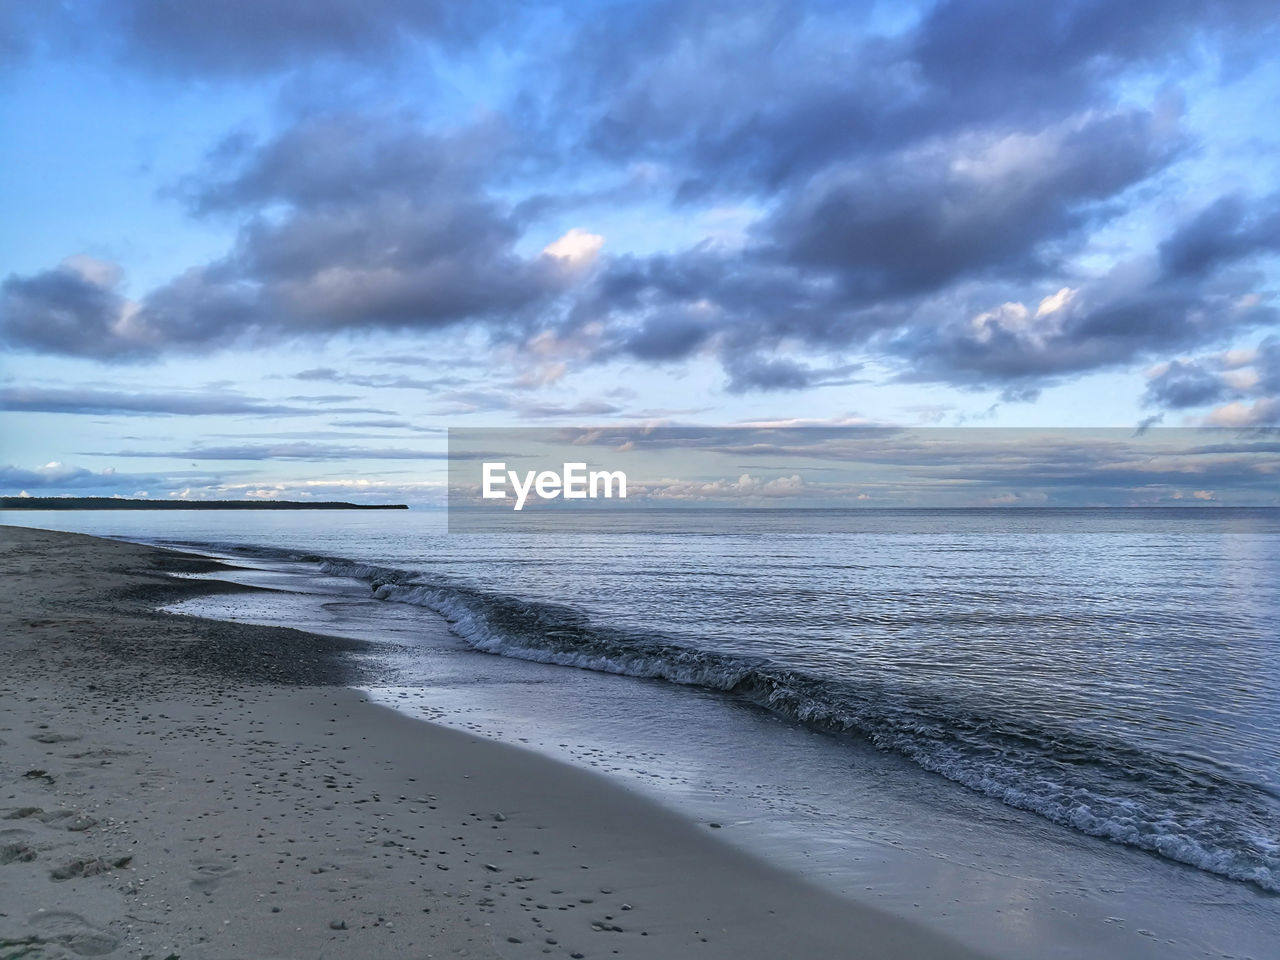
(1186, 809)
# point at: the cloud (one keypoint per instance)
(238, 40)
(375, 225)
(1264, 412)
(665, 81)
(584, 408)
(975, 153)
(330, 375)
(1181, 385)
(754, 373)
(302, 450)
(1245, 385)
(59, 479)
(578, 246)
(1230, 229)
(974, 206)
(1116, 320)
(901, 273)
(928, 195)
(64, 476)
(387, 424)
(667, 336)
(461, 402)
(357, 488)
(746, 487)
(892, 255)
(269, 35)
(73, 309)
(83, 400)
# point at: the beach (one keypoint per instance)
(179, 787)
(640, 479)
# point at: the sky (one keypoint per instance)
(278, 248)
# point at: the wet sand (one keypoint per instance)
(176, 787)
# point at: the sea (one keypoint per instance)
(1031, 721)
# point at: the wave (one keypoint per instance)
(1191, 812)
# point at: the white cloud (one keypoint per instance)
(102, 273)
(1018, 319)
(1262, 412)
(577, 246)
(745, 487)
(1055, 302)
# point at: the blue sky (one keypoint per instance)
(277, 248)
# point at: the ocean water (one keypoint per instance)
(1082, 680)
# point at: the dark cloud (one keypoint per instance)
(330, 375)
(373, 228)
(585, 408)
(466, 402)
(914, 224)
(73, 309)
(244, 38)
(1134, 313)
(1185, 385)
(382, 233)
(67, 477)
(973, 48)
(1245, 383)
(303, 450)
(1018, 346)
(266, 35)
(1230, 229)
(664, 308)
(666, 80)
(336, 160)
(924, 193)
(387, 424)
(869, 255)
(1146, 423)
(87, 401)
(323, 397)
(909, 178)
(755, 373)
(666, 337)
(936, 317)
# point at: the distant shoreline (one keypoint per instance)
(116, 503)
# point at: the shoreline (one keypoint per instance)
(213, 789)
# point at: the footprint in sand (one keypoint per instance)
(208, 874)
(67, 820)
(74, 932)
(103, 753)
(87, 867)
(62, 819)
(17, 852)
(52, 737)
(21, 813)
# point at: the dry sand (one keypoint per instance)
(183, 789)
